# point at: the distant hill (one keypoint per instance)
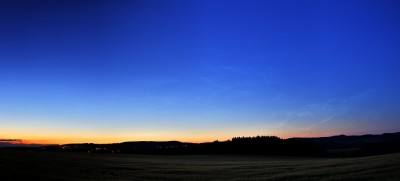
(343, 145)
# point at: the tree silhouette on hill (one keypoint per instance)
(340, 146)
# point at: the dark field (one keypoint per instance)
(24, 165)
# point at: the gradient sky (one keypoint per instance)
(197, 70)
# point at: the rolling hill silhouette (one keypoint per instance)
(334, 146)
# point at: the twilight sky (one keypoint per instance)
(197, 70)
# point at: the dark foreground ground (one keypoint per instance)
(24, 165)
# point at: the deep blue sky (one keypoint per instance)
(189, 70)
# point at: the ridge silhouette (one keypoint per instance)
(334, 146)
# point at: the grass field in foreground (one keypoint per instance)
(23, 165)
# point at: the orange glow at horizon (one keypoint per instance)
(36, 136)
(202, 139)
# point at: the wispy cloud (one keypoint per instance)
(238, 81)
(162, 102)
(10, 140)
(317, 114)
(155, 82)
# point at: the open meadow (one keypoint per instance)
(24, 165)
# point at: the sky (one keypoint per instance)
(108, 71)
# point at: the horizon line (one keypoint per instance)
(27, 143)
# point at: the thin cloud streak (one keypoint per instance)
(10, 140)
(324, 112)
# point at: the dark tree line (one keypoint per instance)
(337, 146)
(270, 145)
(260, 145)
